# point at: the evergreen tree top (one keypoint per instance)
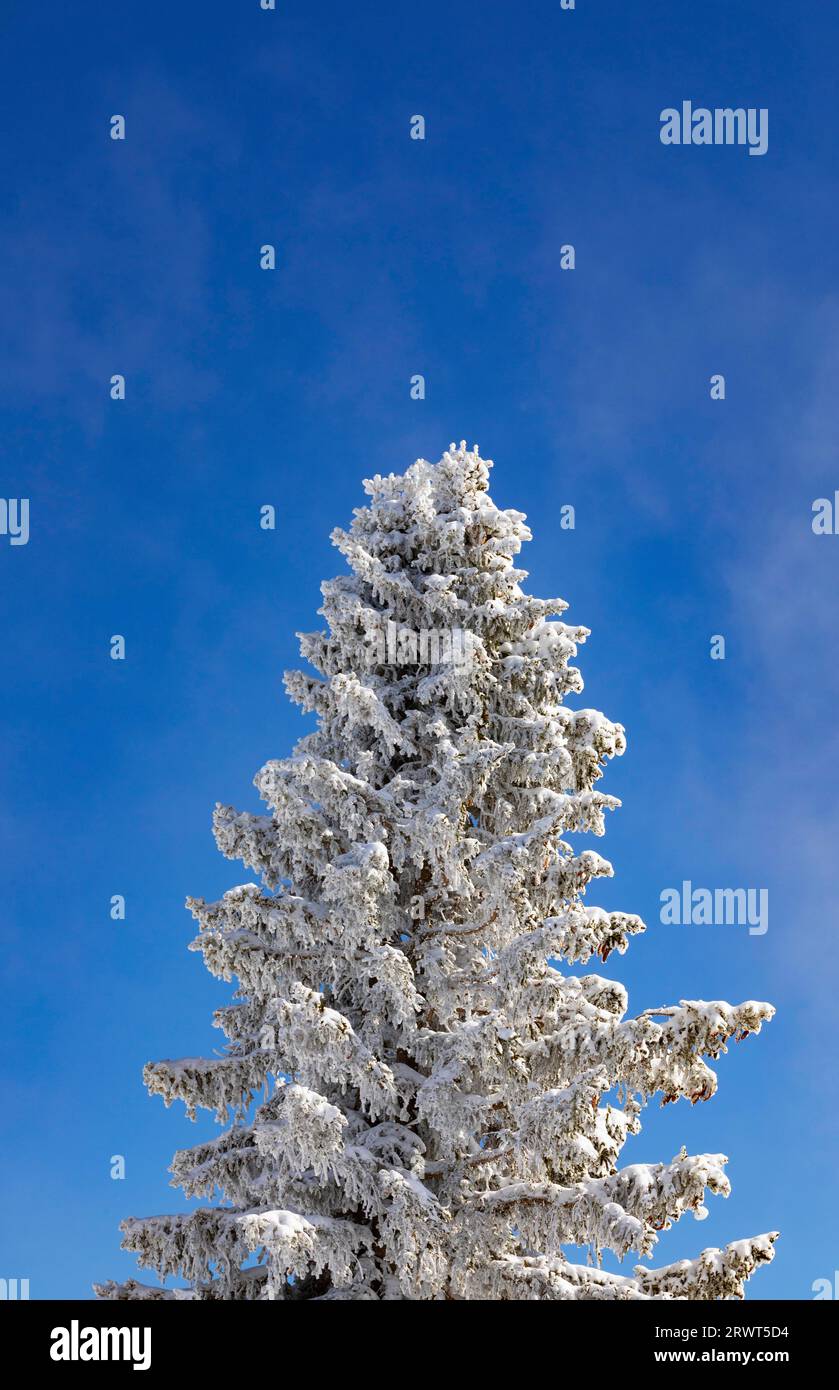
(443, 1105)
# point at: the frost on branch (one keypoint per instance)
(417, 1100)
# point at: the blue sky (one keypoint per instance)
(246, 387)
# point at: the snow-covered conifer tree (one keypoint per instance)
(424, 1095)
